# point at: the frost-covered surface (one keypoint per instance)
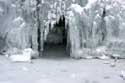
(62, 70)
(95, 23)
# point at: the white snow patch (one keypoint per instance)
(1, 10)
(122, 74)
(103, 57)
(18, 19)
(108, 7)
(89, 4)
(23, 25)
(101, 49)
(77, 8)
(25, 68)
(91, 1)
(20, 58)
(24, 57)
(116, 55)
(13, 5)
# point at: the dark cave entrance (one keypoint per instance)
(55, 45)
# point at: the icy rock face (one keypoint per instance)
(97, 24)
(3, 24)
(86, 25)
(18, 35)
(91, 24)
(15, 30)
(115, 26)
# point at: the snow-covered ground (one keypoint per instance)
(61, 70)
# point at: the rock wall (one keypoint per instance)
(95, 23)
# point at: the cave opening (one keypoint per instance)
(55, 45)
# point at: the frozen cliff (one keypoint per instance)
(91, 24)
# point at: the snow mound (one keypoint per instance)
(22, 55)
(25, 56)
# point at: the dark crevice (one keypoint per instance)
(39, 40)
(31, 43)
(38, 25)
(103, 25)
(104, 13)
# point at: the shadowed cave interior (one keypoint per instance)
(55, 45)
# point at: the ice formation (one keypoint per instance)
(95, 23)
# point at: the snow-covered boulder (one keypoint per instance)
(25, 56)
